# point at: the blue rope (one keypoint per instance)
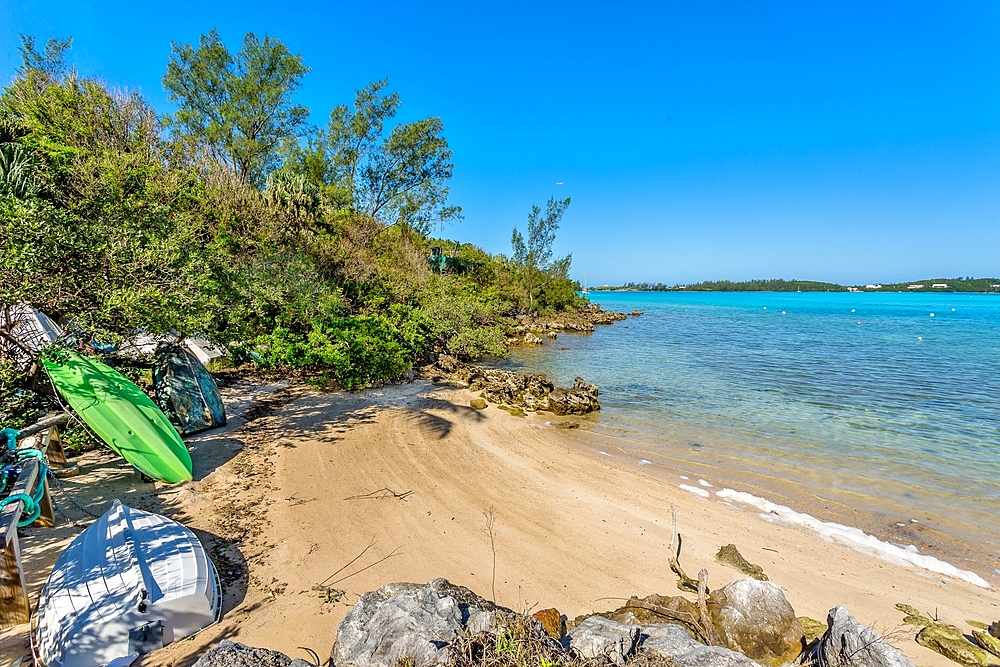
(10, 435)
(32, 503)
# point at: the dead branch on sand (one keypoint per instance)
(380, 494)
(684, 583)
(710, 634)
(490, 523)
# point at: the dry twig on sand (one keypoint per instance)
(490, 523)
(684, 583)
(327, 583)
(380, 494)
(706, 621)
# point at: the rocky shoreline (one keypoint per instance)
(747, 623)
(531, 330)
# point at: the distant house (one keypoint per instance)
(873, 287)
(940, 286)
(853, 289)
(916, 286)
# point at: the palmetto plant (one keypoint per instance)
(17, 168)
(17, 162)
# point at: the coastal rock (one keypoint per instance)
(512, 410)
(731, 556)
(552, 335)
(532, 339)
(499, 386)
(754, 618)
(636, 313)
(578, 400)
(813, 629)
(952, 644)
(673, 641)
(913, 616)
(652, 609)
(597, 637)
(448, 363)
(411, 621)
(552, 621)
(478, 403)
(233, 654)
(847, 643)
(987, 641)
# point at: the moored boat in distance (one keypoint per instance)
(132, 582)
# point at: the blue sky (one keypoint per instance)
(850, 142)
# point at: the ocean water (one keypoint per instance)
(874, 410)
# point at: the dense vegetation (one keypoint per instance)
(302, 248)
(777, 285)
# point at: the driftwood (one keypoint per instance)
(684, 583)
(43, 424)
(684, 618)
(385, 492)
(710, 634)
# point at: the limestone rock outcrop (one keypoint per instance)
(674, 642)
(848, 643)
(754, 618)
(233, 654)
(412, 622)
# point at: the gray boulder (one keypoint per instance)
(847, 643)
(675, 642)
(411, 621)
(598, 637)
(232, 654)
(754, 618)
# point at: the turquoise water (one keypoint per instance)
(894, 419)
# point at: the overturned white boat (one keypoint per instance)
(32, 329)
(130, 583)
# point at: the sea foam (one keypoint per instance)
(854, 538)
(695, 490)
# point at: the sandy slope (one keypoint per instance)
(571, 526)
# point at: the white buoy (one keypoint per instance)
(920, 337)
(859, 324)
(782, 312)
(765, 307)
(953, 310)
(932, 314)
(853, 310)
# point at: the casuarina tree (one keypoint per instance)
(238, 105)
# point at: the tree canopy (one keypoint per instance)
(300, 250)
(238, 104)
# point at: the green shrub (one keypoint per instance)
(354, 352)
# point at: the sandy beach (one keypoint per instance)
(307, 499)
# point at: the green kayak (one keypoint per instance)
(122, 415)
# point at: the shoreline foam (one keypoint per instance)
(855, 538)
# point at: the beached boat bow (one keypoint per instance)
(132, 582)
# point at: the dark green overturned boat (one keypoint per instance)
(185, 390)
(121, 415)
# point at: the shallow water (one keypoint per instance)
(877, 423)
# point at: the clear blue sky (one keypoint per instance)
(848, 141)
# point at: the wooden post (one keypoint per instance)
(14, 606)
(52, 448)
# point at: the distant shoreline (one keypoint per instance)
(930, 285)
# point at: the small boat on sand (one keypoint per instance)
(132, 582)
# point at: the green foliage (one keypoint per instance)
(398, 178)
(238, 104)
(352, 351)
(545, 282)
(320, 266)
(466, 321)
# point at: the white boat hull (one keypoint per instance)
(127, 570)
